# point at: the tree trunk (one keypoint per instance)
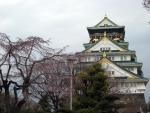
(19, 106)
(7, 100)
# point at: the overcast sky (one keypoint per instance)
(65, 22)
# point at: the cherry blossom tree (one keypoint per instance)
(54, 88)
(19, 62)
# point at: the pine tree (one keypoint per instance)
(92, 93)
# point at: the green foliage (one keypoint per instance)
(92, 92)
(27, 111)
(64, 111)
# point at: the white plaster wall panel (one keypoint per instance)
(118, 72)
(106, 22)
(92, 58)
(134, 70)
(128, 57)
(138, 88)
(124, 58)
(117, 58)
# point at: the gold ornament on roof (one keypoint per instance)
(105, 34)
(104, 54)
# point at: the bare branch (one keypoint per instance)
(146, 4)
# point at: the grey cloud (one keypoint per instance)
(65, 21)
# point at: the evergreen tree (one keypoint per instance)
(92, 93)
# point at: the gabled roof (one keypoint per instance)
(124, 49)
(106, 22)
(130, 74)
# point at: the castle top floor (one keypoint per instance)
(114, 31)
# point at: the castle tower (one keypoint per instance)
(107, 46)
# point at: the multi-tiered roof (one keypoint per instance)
(108, 47)
(120, 62)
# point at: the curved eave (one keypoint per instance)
(93, 53)
(129, 64)
(123, 43)
(110, 27)
(139, 80)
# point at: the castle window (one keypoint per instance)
(111, 72)
(123, 58)
(112, 58)
(105, 49)
(87, 59)
(105, 24)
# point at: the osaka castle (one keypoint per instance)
(108, 47)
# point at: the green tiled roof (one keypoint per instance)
(87, 45)
(123, 44)
(110, 53)
(97, 26)
(111, 27)
(129, 64)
